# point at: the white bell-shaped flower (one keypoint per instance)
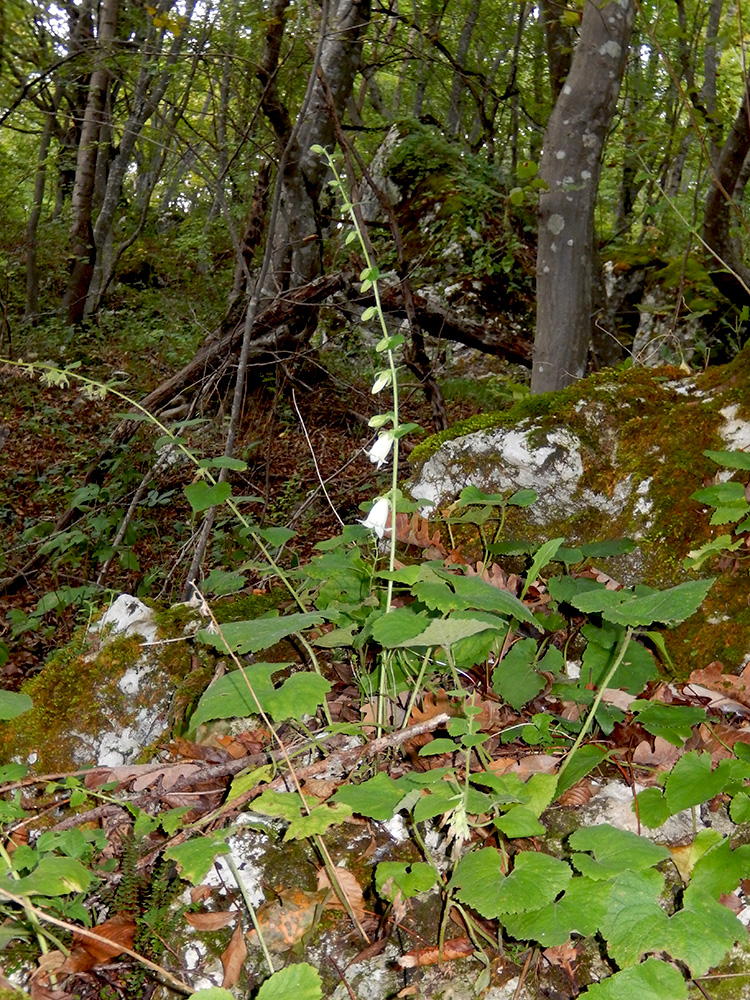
(381, 449)
(377, 519)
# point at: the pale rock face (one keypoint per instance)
(505, 460)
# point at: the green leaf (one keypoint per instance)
(317, 821)
(522, 498)
(702, 933)
(580, 910)
(398, 626)
(295, 982)
(230, 696)
(651, 980)
(721, 495)
(514, 678)
(475, 649)
(544, 555)
(478, 877)
(637, 668)
(607, 549)
(625, 608)
(585, 759)
(441, 798)
(614, 851)
(222, 582)
(300, 695)
(477, 593)
(13, 704)
(634, 921)
(258, 633)
(223, 462)
(696, 557)
(473, 495)
(653, 810)
(719, 869)
(194, 858)
(275, 536)
(445, 631)
(408, 879)
(536, 880)
(692, 782)
(201, 495)
(673, 723)
(13, 772)
(730, 459)
(52, 877)
(376, 798)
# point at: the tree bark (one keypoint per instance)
(730, 275)
(571, 167)
(81, 234)
(148, 94)
(462, 51)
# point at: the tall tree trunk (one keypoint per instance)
(297, 245)
(730, 274)
(81, 234)
(149, 91)
(559, 39)
(462, 51)
(571, 167)
(31, 312)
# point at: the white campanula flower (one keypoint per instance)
(381, 449)
(377, 519)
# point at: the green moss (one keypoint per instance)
(68, 696)
(77, 695)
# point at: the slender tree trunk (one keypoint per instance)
(31, 311)
(571, 166)
(730, 274)
(297, 246)
(559, 39)
(81, 234)
(462, 51)
(146, 99)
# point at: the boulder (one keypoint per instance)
(617, 455)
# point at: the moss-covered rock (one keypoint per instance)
(617, 455)
(106, 697)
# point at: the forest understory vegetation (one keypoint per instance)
(270, 725)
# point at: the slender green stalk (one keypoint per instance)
(603, 684)
(250, 909)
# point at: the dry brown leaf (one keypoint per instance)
(286, 920)
(118, 933)
(233, 958)
(718, 740)
(578, 795)
(199, 892)
(453, 949)
(663, 756)
(180, 747)
(563, 956)
(496, 576)
(212, 920)
(348, 884)
(727, 685)
(415, 530)
(533, 763)
(321, 788)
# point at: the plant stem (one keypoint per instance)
(619, 656)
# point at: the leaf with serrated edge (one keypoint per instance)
(651, 980)
(300, 982)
